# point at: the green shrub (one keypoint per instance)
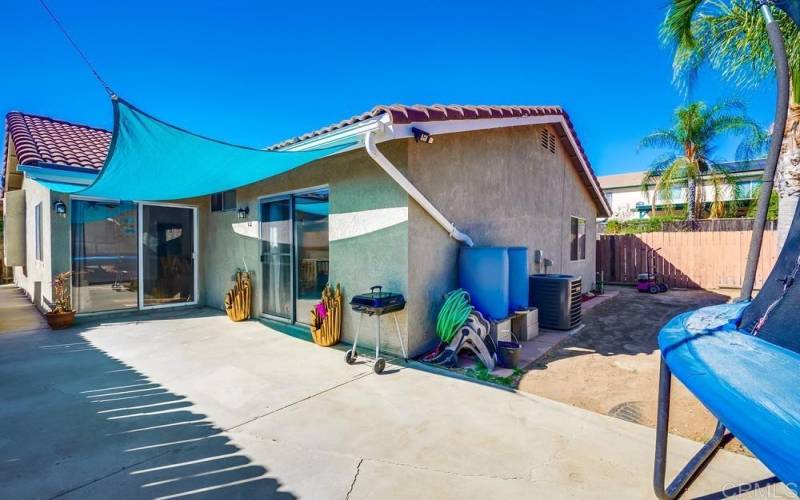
(772, 212)
(636, 226)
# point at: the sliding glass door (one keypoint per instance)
(168, 255)
(104, 255)
(276, 258)
(311, 241)
(294, 253)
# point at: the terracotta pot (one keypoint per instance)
(60, 320)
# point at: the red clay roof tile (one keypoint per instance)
(43, 140)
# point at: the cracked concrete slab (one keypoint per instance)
(177, 404)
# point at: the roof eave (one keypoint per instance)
(391, 131)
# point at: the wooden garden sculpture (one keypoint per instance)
(326, 317)
(237, 300)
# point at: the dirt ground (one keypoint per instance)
(611, 366)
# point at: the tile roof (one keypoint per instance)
(403, 115)
(39, 139)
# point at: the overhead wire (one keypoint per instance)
(77, 49)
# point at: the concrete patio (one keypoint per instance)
(163, 405)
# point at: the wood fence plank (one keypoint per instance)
(700, 259)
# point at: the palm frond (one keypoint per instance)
(728, 35)
(656, 171)
(720, 182)
(754, 145)
(662, 139)
(673, 175)
(676, 29)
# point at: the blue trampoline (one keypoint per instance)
(748, 383)
(742, 360)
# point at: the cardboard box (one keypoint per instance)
(501, 330)
(525, 326)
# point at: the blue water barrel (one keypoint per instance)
(483, 273)
(518, 278)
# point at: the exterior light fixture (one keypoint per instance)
(243, 212)
(60, 208)
(422, 136)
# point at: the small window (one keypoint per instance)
(38, 244)
(224, 201)
(577, 238)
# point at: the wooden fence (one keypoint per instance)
(704, 259)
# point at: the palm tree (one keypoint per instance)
(730, 36)
(689, 148)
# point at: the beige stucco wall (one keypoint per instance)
(501, 188)
(14, 237)
(35, 278)
(357, 186)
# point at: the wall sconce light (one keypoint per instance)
(60, 208)
(422, 136)
(243, 212)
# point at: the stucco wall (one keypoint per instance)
(358, 188)
(502, 188)
(14, 237)
(35, 278)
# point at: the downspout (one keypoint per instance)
(394, 173)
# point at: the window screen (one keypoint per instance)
(577, 238)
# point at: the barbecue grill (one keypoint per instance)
(376, 303)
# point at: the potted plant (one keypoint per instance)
(62, 315)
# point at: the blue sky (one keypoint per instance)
(254, 74)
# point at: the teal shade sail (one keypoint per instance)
(150, 160)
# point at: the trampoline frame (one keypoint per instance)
(689, 471)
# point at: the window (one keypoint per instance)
(577, 249)
(748, 190)
(675, 196)
(224, 201)
(38, 244)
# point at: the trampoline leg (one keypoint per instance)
(687, 474)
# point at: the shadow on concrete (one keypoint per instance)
(628, 324)
(78, 422)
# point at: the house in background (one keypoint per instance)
(508, 176)
(628, 201)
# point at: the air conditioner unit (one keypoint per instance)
(558, 298)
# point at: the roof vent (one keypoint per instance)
(548, 141)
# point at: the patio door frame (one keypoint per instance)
(195, 254)
(284, 195)
(74, 197)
